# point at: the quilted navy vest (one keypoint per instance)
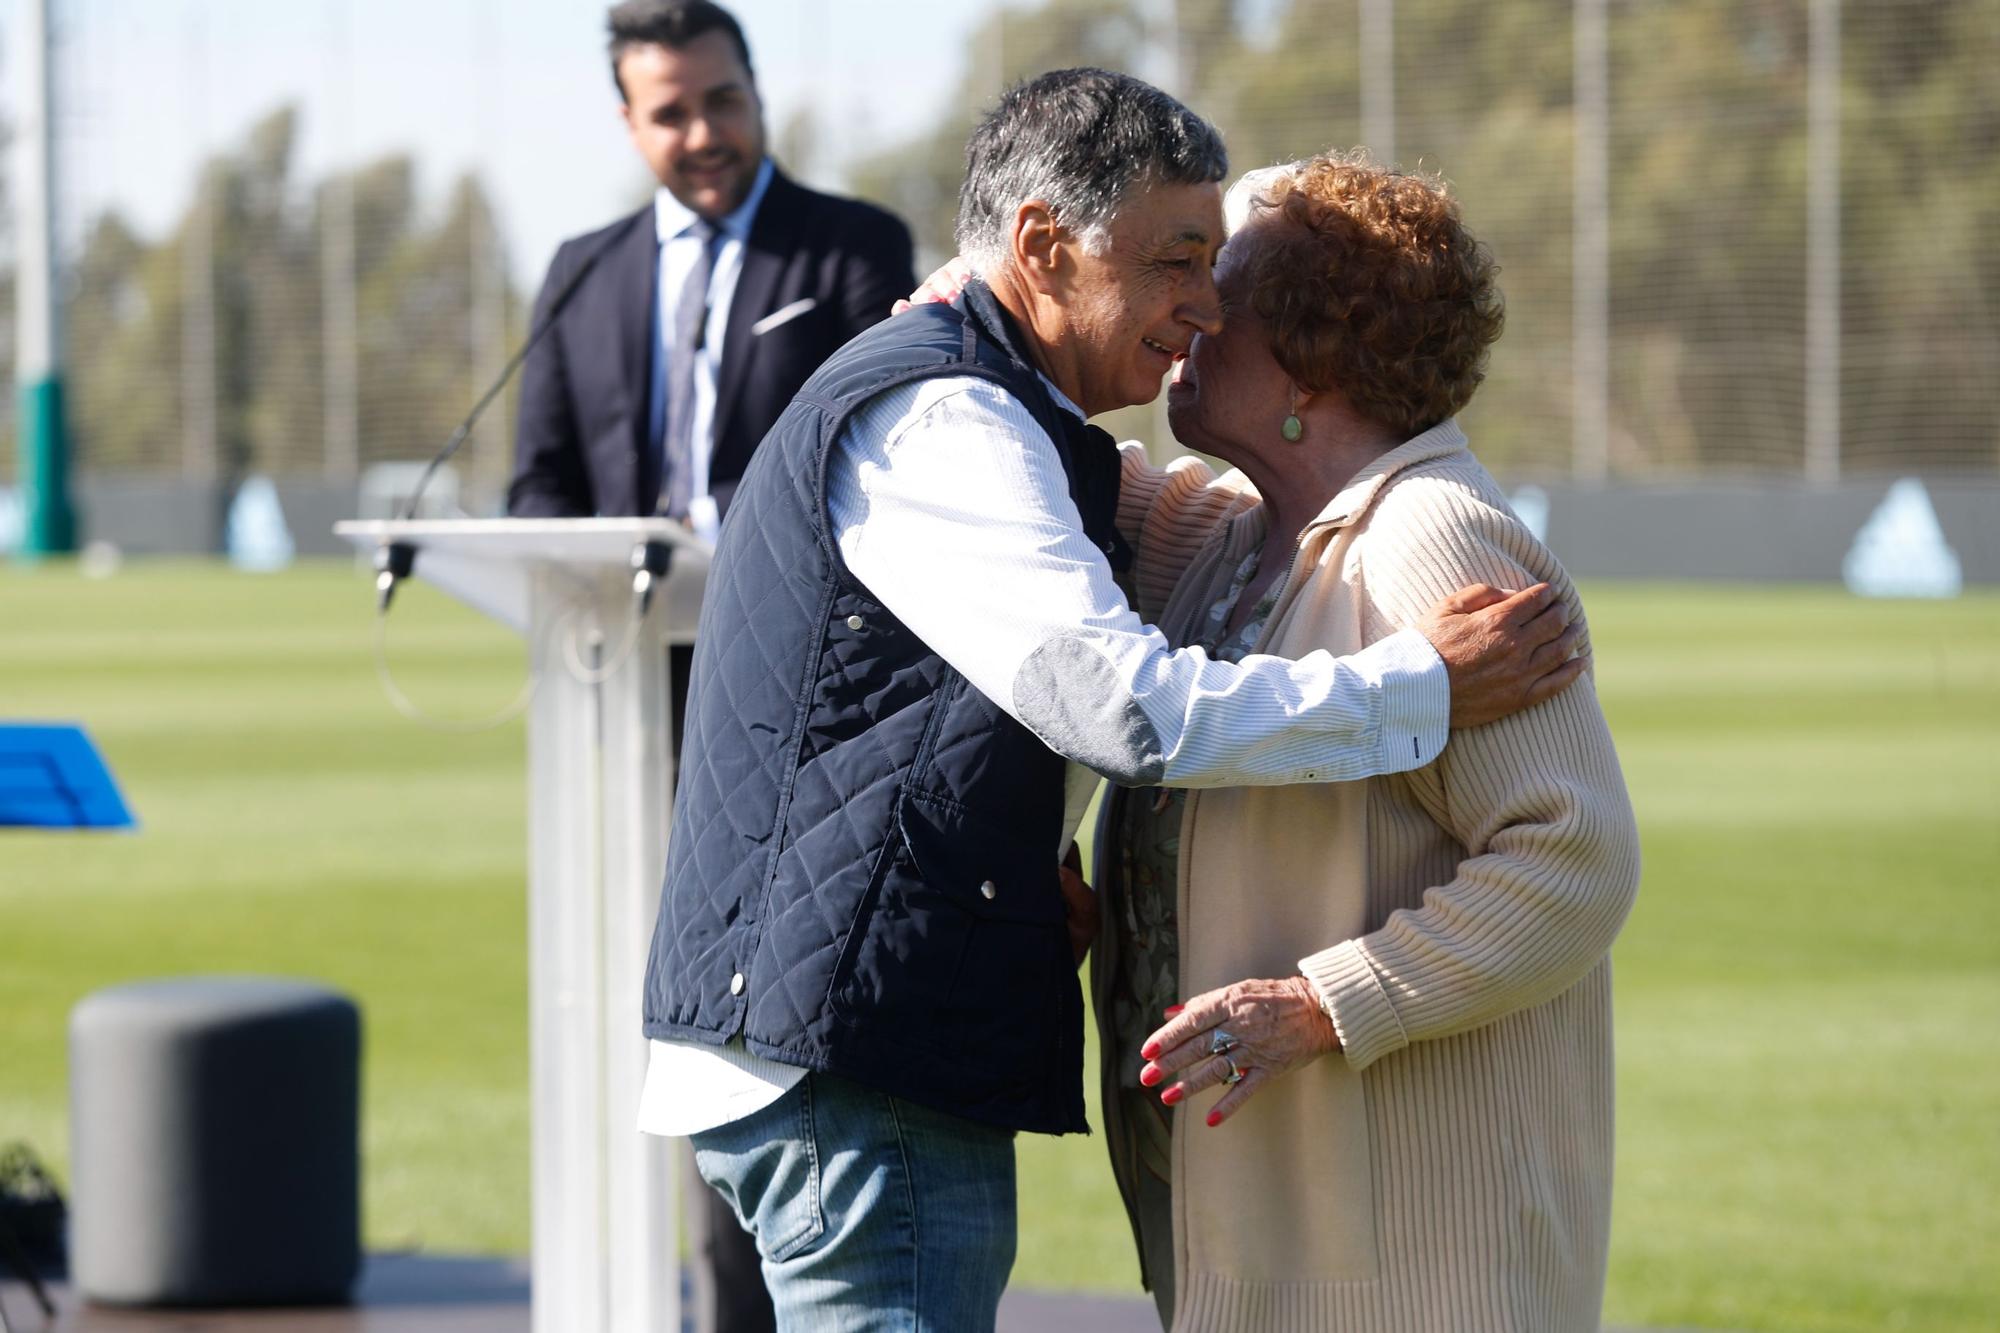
(862, 873)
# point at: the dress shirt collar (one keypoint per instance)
(671, 217)
(1061, 398)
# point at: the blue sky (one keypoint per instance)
(515, 89)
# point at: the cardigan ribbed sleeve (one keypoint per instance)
(1168, 514)
(1537, 801)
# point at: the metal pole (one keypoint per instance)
(198, 388)
(339, 314)
(1160, 61)
(1823, 243)
(50, 527)
(1591, 225)
(489, 354)
(339, 319)
(491, 461)
(1377, 40)
(999, 21)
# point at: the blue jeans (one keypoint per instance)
(872, 1215)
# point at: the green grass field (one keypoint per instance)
(1809, 990)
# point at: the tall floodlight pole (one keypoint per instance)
(1590, 279)
(1823, 243)
(491, 461)
(1377, 24)
(339, 310)
(200, 420)
(50, 527)
(1161, 61)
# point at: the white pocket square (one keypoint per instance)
(782, 315)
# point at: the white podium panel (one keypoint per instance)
(600, 799)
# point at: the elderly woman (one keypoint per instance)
(1387, 1101)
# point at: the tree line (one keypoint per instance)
(208, 350)
(1708, 202)
(1708, 198)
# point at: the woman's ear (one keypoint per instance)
(1303, 401)
(1039, 247)
(1307, 401)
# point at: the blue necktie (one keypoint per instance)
(690, 321)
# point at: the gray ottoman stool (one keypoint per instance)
(214, 1124)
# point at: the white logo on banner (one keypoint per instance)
(1901, 551)
(13, 519)
(258, 537)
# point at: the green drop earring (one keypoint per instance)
(1293, 430)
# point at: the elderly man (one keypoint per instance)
(679, 334)
(913, 664)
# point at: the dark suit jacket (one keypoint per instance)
(581, 448)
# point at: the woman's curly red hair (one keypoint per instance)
(1368, 283)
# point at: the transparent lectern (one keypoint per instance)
(600, 795)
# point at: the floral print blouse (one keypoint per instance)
(1149, 843)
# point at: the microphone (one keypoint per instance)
(395, 560)
(649, 565)
(393, 563)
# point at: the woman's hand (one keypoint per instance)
(1275, 1027)
(943, 285)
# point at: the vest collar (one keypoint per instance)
(982, 311)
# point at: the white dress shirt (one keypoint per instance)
(950, 504)
(680, 249)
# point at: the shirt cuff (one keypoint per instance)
(1353, 998)
(705, 518)
(1416, 698)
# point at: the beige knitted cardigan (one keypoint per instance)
(1450, 1170)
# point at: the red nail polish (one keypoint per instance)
(1149, 1050)
(1150, 1075)
(1173, 1094)
(1173, 1009)
(1214, 1119)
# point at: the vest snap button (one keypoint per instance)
(736, 984)
(854, 622)
(987, 890)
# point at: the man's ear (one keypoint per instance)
(1040, 248)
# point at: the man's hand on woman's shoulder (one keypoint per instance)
(941, 286)
(1503, 651)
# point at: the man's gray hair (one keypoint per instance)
(1079, 140)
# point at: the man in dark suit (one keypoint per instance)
(691, 325)
(702, 313)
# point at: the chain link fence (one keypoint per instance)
(1737, 237)
(282, 324)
